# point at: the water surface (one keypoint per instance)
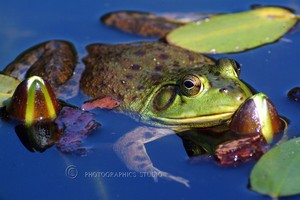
(272, 69)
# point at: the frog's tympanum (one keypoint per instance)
(172, 90)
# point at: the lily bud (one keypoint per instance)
(33, 100)
(257, 115)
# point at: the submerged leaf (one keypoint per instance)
(241, 150)
(8, 85)
(77, 125)
(277, 172)
(234, 32)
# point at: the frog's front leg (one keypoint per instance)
(131, 149)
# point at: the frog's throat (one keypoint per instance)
(194, 122)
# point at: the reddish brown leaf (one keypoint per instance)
(53, 60)
(145, 24)
(104, 102)
(241, 150)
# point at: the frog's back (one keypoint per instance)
(130, 72)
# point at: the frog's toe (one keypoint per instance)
(161, 174)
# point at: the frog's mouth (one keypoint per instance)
(196, 122)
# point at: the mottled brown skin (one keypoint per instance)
(128, 72)
(54, 61)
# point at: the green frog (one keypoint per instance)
(170, 89)
(166, 87)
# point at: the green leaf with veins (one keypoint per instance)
(234, 32)
(8, 85)
(277, 172)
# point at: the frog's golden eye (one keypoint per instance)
(191, 85)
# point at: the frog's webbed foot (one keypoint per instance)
(131, 149)
(156, 173)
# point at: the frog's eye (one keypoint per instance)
(191, 85)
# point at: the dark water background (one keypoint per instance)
(272, 69)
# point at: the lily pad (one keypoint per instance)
(52, 60)
(149, 24)
(277, 173)
(234, 32)
(8, 85)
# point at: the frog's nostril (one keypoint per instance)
(223, 90)
(240, 98)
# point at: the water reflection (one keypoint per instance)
(38, 137)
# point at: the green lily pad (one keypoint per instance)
(8, 85)
(234, 32)
(277, 173)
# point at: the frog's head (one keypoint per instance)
(204, 96)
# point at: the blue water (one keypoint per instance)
(272, 69)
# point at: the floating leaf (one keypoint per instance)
(149, 24)
(7, 87)
(277, 172)
(234, 32)
(53, 60)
